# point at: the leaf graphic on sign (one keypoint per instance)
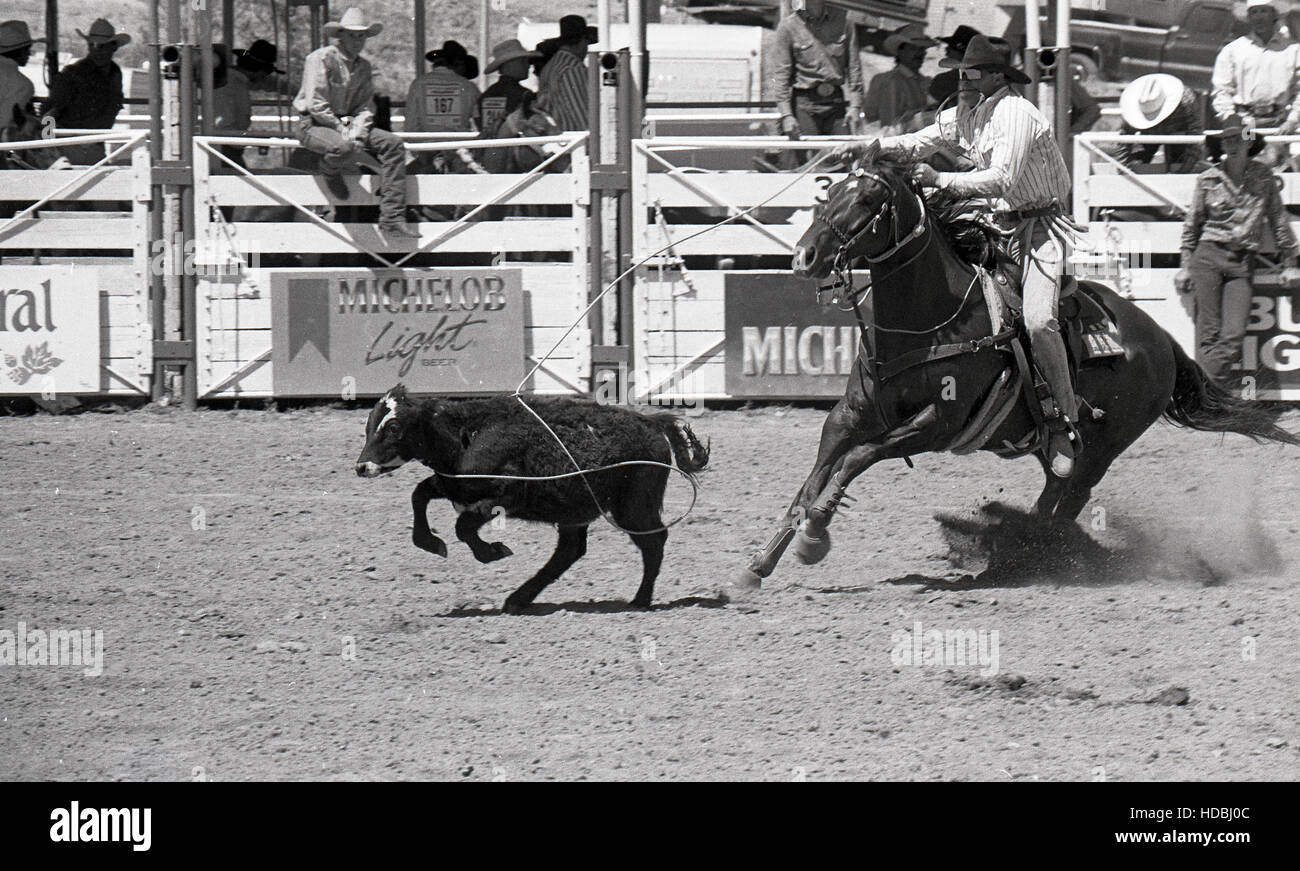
(20, 375)
(11, 361)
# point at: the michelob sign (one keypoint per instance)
(1270, 353)
(781, 343)
(49, 330)
(361, 331)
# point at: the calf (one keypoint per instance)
(501, 439)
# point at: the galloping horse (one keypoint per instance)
(929, 364)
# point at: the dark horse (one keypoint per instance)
(926, 296)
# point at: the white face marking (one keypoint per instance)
(392, 412)
(853, 184)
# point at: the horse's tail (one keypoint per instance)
(691, 456)
(1199, 403)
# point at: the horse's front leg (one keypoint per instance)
(421, 535)
(836, 439)
(812, 539)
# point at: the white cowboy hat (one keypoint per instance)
(101, 32)
(14, 35)
(908, 34)
(1273, 4)
(355, 21)
(504, 52)
(1150, 99)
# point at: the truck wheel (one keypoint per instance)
(1083, 67)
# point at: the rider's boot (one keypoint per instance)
(1062, 408)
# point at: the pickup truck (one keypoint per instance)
(1121, 39)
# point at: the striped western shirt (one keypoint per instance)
(1258, 79)
(562, 90)
(1019, 165)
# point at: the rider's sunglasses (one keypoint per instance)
(970, 75)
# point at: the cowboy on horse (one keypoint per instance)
(1022, 178)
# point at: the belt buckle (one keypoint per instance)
(825, 89)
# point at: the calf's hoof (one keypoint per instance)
(811, 549)
(490, 553)
(433, 545)
(515, 606)
(645, 604)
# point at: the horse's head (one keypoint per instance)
(856, 220)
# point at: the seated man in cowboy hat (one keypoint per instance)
(336, 118)
(18, 118)
(562, 83)
(1159, 105)
(87, 93)
(1022, 178)
(896, 99)
(445, 100)
(511, 61)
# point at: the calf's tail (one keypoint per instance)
(691, 456)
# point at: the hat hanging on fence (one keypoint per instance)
(15, 35)
(261, 55)
(1150, 99)
(908, 34)
(504, 52)
(984, 53)
(102, 32)
(354, 21)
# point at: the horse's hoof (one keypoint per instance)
(435, 546)
(810, 550)
(500, 551)
(515, 607)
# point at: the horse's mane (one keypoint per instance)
(962, 219)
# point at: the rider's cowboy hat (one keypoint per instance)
(1150, 99)
(960, 38)
(574, 27)
(1272, 4)
(15, 35)
(453, 52)
(984, 54)
(908, 34)
(261, 55)
(1233, 128)
(102, 32)
(354, 21)
(504, 52)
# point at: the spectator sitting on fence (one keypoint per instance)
(19, 120)
(444, 100)
(1159, 105)
(562, 83)
(336, 118)
(87, 94)
(527, 120)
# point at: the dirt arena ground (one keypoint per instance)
(230, 557)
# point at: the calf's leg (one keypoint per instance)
(467, 526)
(421, 535)
(570, 547)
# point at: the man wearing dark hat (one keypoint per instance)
(87, 94)
(562, 85)
(896, 99)
(944, 86)
(1022, 178)
(257, 63)
(817, 80)
(444, 100)
(336, 118)
(511, 61)
(18, 118)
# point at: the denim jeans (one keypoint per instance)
(388, 149)
(1221, 281)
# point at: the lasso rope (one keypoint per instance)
(579, 470)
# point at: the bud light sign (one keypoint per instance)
(781, 343)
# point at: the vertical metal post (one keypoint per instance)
(485, 15)
(51, 39)
(157, 285)
(596, 252)
(628, 103)
(207, 78)
(1064, 78)
(636, 18)
(189, 281)
(1033, 42)
(420, 50)
(228, 24)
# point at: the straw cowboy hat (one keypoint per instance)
(1272, 4)
(15, 35)
(261, 55)
(504, 52)
(1150, 99)
(908, 34)
(984, 54)
(102, 32)
(354, 20)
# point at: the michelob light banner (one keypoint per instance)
(781, 343)
(436, 330)
(49, 330)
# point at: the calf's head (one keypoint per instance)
(393, 435)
